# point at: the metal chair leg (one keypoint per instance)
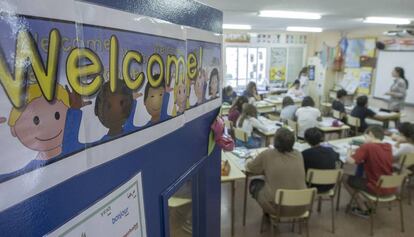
(338, 197)
(307, 227)
(319, 204)
(263, 223)
(401, 216)
(333, 214)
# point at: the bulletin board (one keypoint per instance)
(358, 78)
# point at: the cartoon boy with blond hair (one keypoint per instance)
(50, 128)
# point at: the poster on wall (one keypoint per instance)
(357, 80)
(357, 48)
(71, 92)
(278, 60)
(206, 85)
(120, 213)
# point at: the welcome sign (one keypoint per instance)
(68, 87)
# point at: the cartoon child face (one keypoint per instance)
(41, 125)
(213, 85)
(153, 101)
(181, 96)
(199, 84)
(113, 111)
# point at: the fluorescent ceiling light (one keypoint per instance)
(237, 27)
(290, 14)
(303, 29)
(387, 20)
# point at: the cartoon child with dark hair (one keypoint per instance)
(114, 108)
(200, 86)
(156, 101)
(50, 128)
(213, 88)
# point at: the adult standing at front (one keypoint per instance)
(398, 90)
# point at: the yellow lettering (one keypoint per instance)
(135, 83)
(76, 72)
(155, 58)
(113, 62)
(191, 66)
(26, 50)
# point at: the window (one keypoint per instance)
(245, 64)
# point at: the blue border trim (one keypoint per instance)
(181, 12)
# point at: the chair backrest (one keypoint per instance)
(407, 161)
(323, 177)
(337, 114)
(298, 197)
(354, 121)
(391, 181)
(240, 135)
(228, 124)
(294, 125)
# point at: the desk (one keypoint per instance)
(261, 106)
(277, 101)
(225, 109)
(386, 117)
(269, 133)
(264, 107)
(326, 126)
(235, 174)
(240, 164)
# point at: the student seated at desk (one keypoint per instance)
(307, 116)
(405, 140)
(362, 112)
(377, 159)
(247, 122)
(251, 92)
(295, 90)
(338, 104)
(236, 109)
(282, 167)
(288, 109)
(318, 157)
(229, 95)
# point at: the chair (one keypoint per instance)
(241, 135)
(385, 181)
(228, 124)
(326, 177)
(406, 162)
(355, 123)
(337, 114)
(294, 125)
(302, 198)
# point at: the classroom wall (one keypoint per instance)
(332, 38)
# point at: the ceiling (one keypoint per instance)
(336, 14)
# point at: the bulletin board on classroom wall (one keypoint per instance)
(358, 76)
(54, 107)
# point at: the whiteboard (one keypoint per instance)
(387, 60)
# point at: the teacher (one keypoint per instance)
(398, 90)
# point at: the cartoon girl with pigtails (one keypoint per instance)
(180, 101)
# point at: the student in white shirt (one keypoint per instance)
(295, 90)
(288, 109)
(303, 78)
(405, 140)
(247, 122)
(307, 116)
